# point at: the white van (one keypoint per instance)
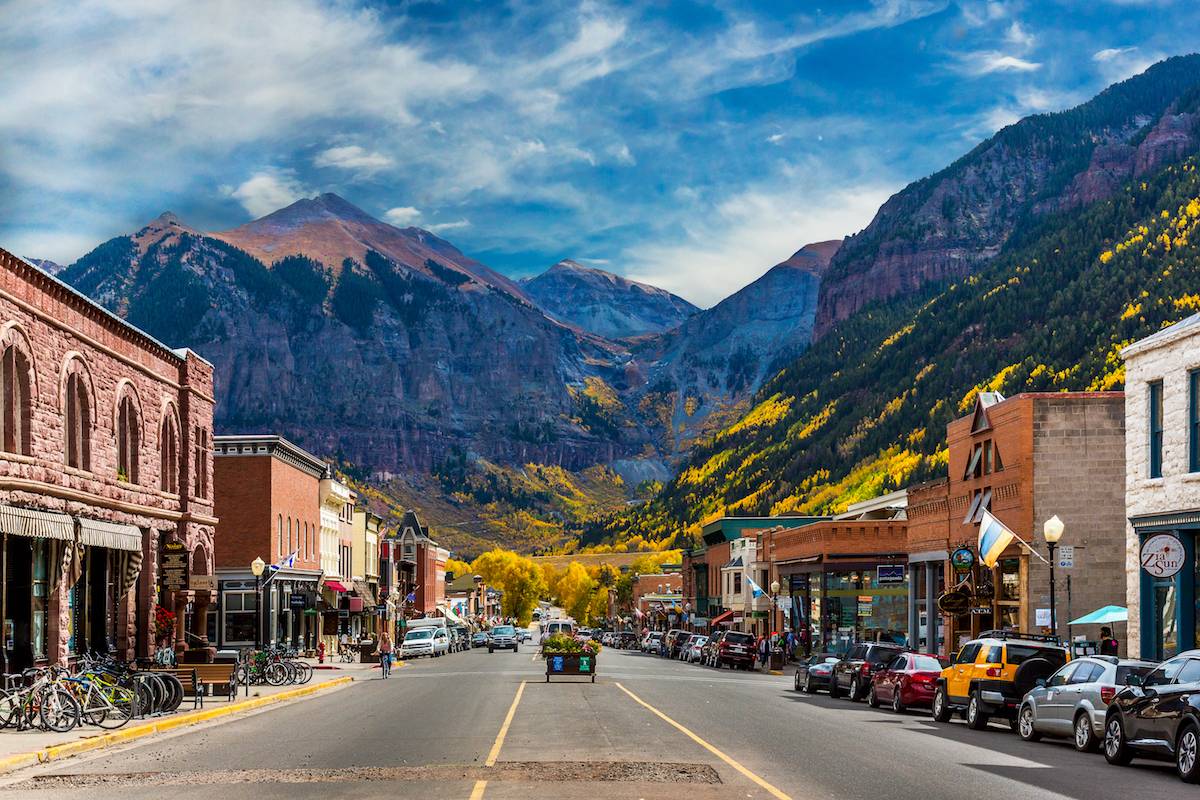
(426, 640)
(558, 626)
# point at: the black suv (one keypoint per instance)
(1159, 717)
(854, 672)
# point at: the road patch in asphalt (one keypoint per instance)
(502, 772)
(773, 791)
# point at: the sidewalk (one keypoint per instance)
(25, 748)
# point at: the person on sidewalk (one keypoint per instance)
(764, 650)
(1108, 645)
(384, 649)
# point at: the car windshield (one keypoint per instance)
(733, 637)
(1019, 654)
(1124, 673)
(503, 630)
(929, 663)
(422, 633)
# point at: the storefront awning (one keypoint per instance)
(724, 618)
(336, 586)
(363, 590)
(114, 536)
(37, 524)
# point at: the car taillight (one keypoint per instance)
(994, 672)
(1107, 693)
(921, 679)
(866, 668)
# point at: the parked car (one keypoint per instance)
(425, 641)
(502, 637)
(651, 642)
(1073, 701)
(479, 639)
(1158, 717)
(853, 674)
(674, 641)
(695, 647)
(813, 672)
(907, 681)
(735, 649)
(992, 674)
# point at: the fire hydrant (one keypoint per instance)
(321, 652)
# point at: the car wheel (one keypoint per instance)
(1116, 748)
(976, 719)
(1025, 727)
(854, 690)
(796, 681)
(809, 688)
(834, 690)
(1086, 740)
(941, 705)
(897, 705)
(872, 698)
(1187, 754)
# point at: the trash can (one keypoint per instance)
(776, 661)
(366, 652)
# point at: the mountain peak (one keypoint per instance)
(323, 207)
(167, 219)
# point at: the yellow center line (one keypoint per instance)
(727, 759)
(512, 710)
(477, 792)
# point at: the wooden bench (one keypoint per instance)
(196, 678)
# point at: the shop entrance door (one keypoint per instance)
(18, 639)
(1165, 637)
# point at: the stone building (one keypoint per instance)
(1024, 459)
(267, 492)
(106, 439)
(1162, 489)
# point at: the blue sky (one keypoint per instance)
(692, 145)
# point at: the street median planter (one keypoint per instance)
(570, 664)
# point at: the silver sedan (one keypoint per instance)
(1072, 702)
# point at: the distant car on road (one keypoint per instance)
(1158, 717)
(1073, 701)
(813, 673)
(651, 642)
(502, 637)
(908, 681)
(695, 647)
(853, 674)
(479, 640)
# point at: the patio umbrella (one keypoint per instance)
(1102, 616)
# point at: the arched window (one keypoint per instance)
(78, 422)
(169, 455)
(281, 532)
(200, 450)
(15, 406)
(289, 547)
(129, 440)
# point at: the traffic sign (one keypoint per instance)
(1066, 556)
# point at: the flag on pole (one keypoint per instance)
(286, 561)
(756, 591)
(994, 536)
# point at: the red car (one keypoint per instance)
(906, 681)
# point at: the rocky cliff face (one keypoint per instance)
(388, 347)
(722, 355)
(950, 224)
(603, 303)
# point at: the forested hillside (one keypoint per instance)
(864, 410)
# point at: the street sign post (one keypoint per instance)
(1066, 556)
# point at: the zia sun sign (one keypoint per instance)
(1162, 555)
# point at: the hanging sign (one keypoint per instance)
(889, 573)
(962, 559)
(954, 602)
(1162, 555)
(173, 567)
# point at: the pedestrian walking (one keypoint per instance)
(1108, 645)
(790, 645)
(384, 649)
(764, 650)
(343, 643)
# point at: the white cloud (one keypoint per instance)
(352, 157)
(622, 155)
(269, 190)
(987, 62)
(402, 216)
(1118, 63)
(747, 233)
(1109, 53)
(442, 227)
(775, 138)
(1018, 36)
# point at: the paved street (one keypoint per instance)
(434, 728)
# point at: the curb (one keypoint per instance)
(128, 734)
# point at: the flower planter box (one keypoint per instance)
(570, 664)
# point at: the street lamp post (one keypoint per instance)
(775, 605)
(257, 566)
(1053, 531)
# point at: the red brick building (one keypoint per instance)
(268, 490)
(106, 437)
(421, 568)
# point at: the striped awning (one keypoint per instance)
(113, 535)
(38, 524)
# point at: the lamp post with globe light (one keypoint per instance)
(257, 566)
(775, 605)
(1052, 530)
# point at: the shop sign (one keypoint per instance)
(298, 601)
(203, 583)
(962, 559)
(173, 567)
(864, 606)
(700, 621)
(381, 608)
(954, 602)
(980, 610)
(889, 573)
(784, 601)
(1163, 555)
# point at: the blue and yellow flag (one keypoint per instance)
(994, 537)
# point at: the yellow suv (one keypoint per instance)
(989, 676)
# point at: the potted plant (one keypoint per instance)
(566, 655)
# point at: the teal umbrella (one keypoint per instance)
(1102, 616)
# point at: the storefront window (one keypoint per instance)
(859, 608)
(240, 618)
(1010, 579)
(39, 598)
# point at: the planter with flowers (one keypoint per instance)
(566, 655)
